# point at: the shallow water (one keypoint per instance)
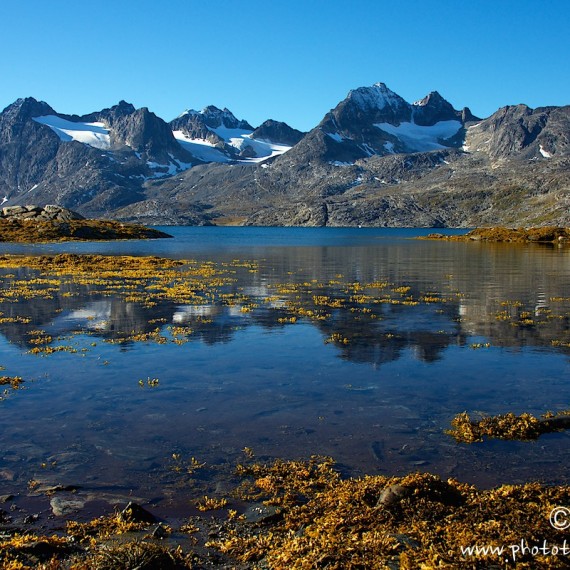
(490, 334)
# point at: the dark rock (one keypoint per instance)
(43, 550)
(277, 132)
(134, 513)
(406, 541)
(260, 513)
(50, 489)
(434, 108)
(159, 532)
(393, 495)
(247, 152)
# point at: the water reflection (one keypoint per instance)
(363, 352)
(381, 301)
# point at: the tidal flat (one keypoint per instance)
(212, 384)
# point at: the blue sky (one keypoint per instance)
(287, 60)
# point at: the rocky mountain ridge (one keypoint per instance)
(374, 159)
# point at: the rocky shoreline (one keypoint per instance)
(297, 514)
(547, 234)
(31, 224)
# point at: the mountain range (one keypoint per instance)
(373, 160)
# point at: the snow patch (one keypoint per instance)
(92, 134)
(545, 153)
(4, 200)
(241, 138)
(173, 167)
(389, 146)
(419, 138)
(335, 137)
(202, 149)
(339, 163)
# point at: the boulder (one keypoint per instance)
(49, 212)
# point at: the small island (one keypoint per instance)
(546, 234)
(33, 224)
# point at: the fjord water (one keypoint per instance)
(489, 334)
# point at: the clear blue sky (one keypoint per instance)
(288, 60)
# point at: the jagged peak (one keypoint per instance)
(215, 117)
(124, 105)
(30, 106)
(23, 100)
(431, 97)
(468, 116)
(209, 111)
(377, 96)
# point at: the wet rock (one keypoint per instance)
(6, 498)
(378, 451)
(136, 514)
(406, 541)
(159, 532)
(42, 550)
(51, 489)
(261, 513)
(7, 474)
(31, 519)
(392, 495)
(62, 506)
(224, 488)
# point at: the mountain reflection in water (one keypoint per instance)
(363, 348)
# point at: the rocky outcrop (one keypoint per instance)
(48, 213)
(519, 131)
(31, 224)
(277, 132)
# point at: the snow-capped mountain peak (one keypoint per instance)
(376, 97)
(213, 118)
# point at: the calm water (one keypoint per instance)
(378, 404)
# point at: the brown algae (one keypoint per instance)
(311, 517)
(523, 427)
(34, 231)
